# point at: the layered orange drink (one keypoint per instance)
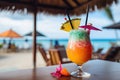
(79, 48)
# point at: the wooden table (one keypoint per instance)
(99, 69)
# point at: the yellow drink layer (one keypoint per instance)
(79, 47)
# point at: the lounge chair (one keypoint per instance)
(44, 55)
(62, 50)
(113, 54)
(57, 56)
(97, 54)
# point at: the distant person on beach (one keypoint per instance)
(56, 43)
(26, 44)
(9, 44)
(5, 45)
(51, 44)
(26, 40)
(4, 42)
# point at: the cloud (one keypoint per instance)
(20, 26)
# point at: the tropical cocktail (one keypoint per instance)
(79, 48)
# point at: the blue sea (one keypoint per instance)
(97, 43)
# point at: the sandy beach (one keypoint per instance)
(19, 60)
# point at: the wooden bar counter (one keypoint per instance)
(99, 69)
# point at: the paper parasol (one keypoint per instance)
(89, 27)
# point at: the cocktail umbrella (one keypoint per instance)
(89, 27)
(75, 7)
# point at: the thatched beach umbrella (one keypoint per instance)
(37, 34)
(115, 27)
(75, 7)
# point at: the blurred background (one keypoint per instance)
(48, 27)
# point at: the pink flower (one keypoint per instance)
(57, 73)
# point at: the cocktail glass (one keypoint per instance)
(79, 50)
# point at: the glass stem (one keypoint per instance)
(79, 70)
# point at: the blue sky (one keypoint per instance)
(50, 25)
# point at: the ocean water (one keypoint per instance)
(97, 43)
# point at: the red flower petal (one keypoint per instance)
(57, 73)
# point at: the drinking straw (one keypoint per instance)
(69, 19)
(87, 15)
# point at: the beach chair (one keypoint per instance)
(99, 50)
(12, 48)
(57, 57)
(44, 55)
(62, 50)
(97, 54)
(113, 54)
